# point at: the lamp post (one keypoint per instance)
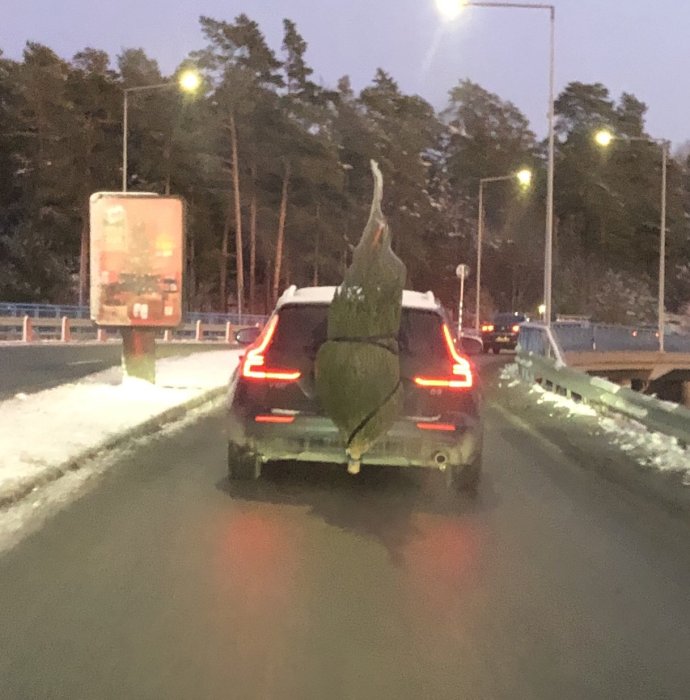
(189, 81)
(450, 10)
(604, 138)
(524, 178)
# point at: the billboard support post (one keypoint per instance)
(139, 353)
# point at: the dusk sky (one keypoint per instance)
(639, 46)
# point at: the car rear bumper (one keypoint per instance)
(503, 340)
(313, 438)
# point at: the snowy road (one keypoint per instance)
(30, 368)
(557, 582)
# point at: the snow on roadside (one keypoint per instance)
(41, 432)
(649, 449)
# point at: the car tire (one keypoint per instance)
(466, 477)
(243, 465)
(495, 350)
(485, 349)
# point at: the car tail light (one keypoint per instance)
(516, 328)
(270, 418)
(446, 427)
(487, 328)
(254, 364)
(460, 374)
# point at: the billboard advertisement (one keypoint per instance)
(137, 256)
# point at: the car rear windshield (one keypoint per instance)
(506, 319)
(303, 328)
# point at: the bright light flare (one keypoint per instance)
(603, 137)
(524, 177)
(189, 81)
(450, 9)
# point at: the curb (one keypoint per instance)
(148, 427)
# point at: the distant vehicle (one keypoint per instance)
(274, 414)
(502, 332)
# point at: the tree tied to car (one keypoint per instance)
(358, 367)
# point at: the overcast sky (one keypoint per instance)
(638, 46)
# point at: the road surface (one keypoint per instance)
(164, 582)
(31, 368)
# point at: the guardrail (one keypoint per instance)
(17, 310)
(30, 329)
(583, 337)
(537, 360)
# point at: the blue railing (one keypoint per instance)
(72, 311)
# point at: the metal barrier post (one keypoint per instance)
(199, 334)
(27, 330)
(228, 332)
(102, 335)
(65, 331)
(167, 336)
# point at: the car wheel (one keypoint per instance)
(495, 350)
(485, 349)
(242, 464)
(466, 477)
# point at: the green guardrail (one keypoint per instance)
(659, 416)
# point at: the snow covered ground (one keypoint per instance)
(648, 448)
(42, 435)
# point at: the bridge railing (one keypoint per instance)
(608, 338)
(540, 361)
(15, 310)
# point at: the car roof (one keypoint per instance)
(324, 295)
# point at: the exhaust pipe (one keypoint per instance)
(441, 459)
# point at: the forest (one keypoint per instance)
(274, 169)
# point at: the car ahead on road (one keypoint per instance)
(502, 332)
(274, 413)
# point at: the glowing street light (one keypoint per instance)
(524, 178)
(450, 9)
(604, 138)
(188, 81)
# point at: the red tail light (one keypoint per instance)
(461, 371)
(270, 418)
(446, 427)
(487, 328)
(254, 364)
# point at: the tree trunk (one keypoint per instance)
(317, 242)
(281, 233)
(191, 274)
(252, 243)
(239, 262)
(223, 279)
(84, 257)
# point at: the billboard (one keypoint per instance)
(137, 254)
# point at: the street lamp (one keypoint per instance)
(188, 81)
(524, 178)
(604, 138)
(450, 10)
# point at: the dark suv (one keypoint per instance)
(502, 333)
(274, 413)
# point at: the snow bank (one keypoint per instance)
(42, 433)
